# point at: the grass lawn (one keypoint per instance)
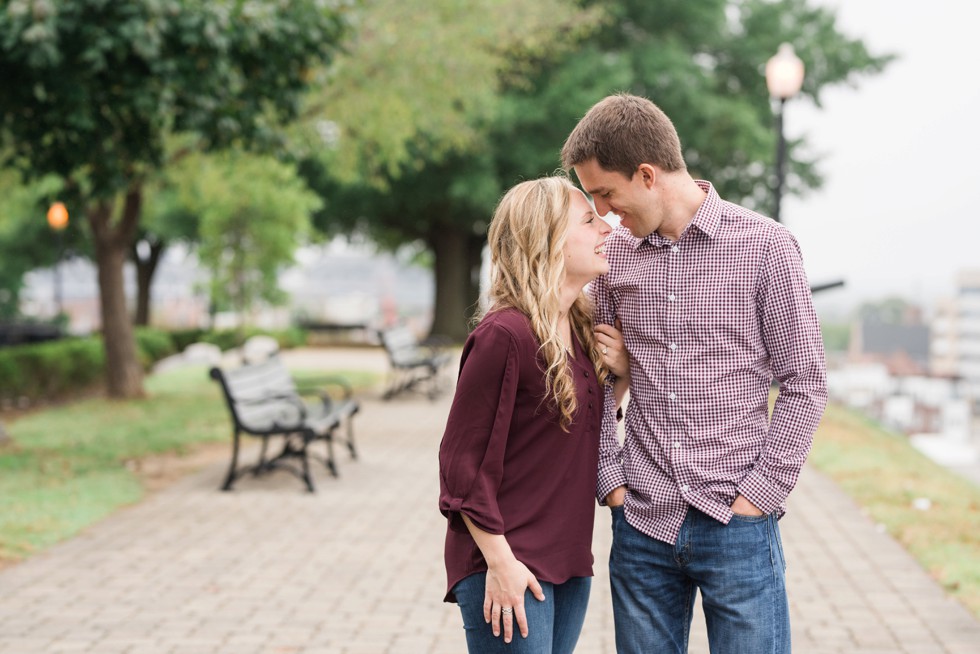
(70, 466)
(884, 474)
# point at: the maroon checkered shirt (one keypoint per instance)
(709, 321)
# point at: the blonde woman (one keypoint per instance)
(518, 461)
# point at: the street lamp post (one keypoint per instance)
(58, 221)
(784, 78)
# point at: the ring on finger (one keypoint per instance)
(605, 349)
(507, 610)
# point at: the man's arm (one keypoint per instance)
(791, 334)
(612, 475)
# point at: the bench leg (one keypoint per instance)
(394, 385)
(306, 469)
(331, 466)
(263, 466)
(230, 478)
(350, 437)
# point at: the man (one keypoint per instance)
(714, 305)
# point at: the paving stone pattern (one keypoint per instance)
(357, 567)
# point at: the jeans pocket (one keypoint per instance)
(750, 518)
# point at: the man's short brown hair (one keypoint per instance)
(621, 132)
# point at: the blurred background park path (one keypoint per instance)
(357, 566)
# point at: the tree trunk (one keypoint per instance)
(145, 269)
(454, 305)
(124, 375)
(475, 259)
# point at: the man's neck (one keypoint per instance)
(684, 198)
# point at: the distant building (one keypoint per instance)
(903, 348)
(955, 347)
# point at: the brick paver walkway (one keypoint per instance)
(356, 568)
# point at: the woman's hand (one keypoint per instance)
(504, 599)
(507, 579)
(613, 349)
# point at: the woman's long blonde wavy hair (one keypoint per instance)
(527, 240)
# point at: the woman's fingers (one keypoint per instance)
(507, 613)
(535, 588)
(521, 616)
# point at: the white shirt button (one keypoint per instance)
(673, 346)
(677, 444)
(672, 396)
(675, 249)
(685, 488)
(671, 297)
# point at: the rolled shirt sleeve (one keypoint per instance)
(471, 455)
(791, 334)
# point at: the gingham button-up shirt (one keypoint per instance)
(709, 321)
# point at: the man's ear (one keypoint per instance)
(648, 174)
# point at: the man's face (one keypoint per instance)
(631, 198)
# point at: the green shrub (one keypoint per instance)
(56, 368)
(227, 339)
(50, 369)
(184, 337)
(153, 345)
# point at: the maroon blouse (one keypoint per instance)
(505, 462)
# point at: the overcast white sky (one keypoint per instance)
(897, 214)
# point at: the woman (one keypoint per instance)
(518, 461)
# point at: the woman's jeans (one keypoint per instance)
(739, 569)
(553, 625)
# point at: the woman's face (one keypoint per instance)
(585, 256)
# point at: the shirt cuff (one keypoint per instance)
(765, 496)
(610, 477)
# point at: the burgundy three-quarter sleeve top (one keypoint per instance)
(507, 464)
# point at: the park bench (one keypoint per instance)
(265, 402)
(413, 365)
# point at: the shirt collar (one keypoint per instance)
(707, 218)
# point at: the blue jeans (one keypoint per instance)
(553, 625)
(739, 569)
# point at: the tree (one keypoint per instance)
(93, 87)
(425, 72)
(26, 240)
(166, 220)
(416, 87)
(254, 211)
(700, 61)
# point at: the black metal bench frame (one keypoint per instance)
(265, 402)
(413, 365)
